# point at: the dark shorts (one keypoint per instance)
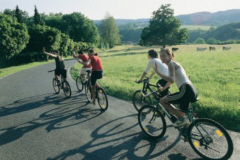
(62, 72)
(187, 94)
(96, 75)
(162, 82)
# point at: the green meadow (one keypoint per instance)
(215, 74)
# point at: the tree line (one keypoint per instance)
(22, 36)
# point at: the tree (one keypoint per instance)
(37, 17)
(18, 15)
(164, 29)
(212, 41)
(13, 37)
(200, 41)
(109, 31)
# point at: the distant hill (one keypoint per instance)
(199, 18)
(212, 19)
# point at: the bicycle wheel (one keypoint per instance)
(79, 83)
(67, 89)
(140, 100)
(56, 85)
(102, 99)
(209, 139)
(151, 122)
(88, 92)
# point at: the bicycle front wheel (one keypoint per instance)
(56, 85)
(139, 100)
(102, 99)
(79, 83)
(88, 92)
(152, 122)
(209, 139)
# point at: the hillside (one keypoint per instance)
(199, 18)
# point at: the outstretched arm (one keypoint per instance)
(84, 63)
(50, 54)
(74, 52)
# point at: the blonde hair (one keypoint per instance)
(168, 52)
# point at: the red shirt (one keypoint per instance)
(84, 58)
(96, 63)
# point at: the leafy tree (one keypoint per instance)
(164, 29)
(212, 41)
(200, 41)
(37, 17)
(13, 37)
(109, 31)
(41, 36)
(79, 28)
(9, 12)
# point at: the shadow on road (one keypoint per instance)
(66, 113)
(115, 140)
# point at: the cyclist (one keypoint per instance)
(162, 68)
(60, 67)
(187, 91)
(83, 58)
(97, 70)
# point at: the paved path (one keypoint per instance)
(37, 124)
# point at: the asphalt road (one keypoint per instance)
(36, 124)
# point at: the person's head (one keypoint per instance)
(80, 52)
(152, 54)
(166, 55)
(56, 52)
(91, 52)
(96, 54)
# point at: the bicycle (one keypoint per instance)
(61, 84)
(143, 97)
(204, 135)
(80, 82)
(100, 93)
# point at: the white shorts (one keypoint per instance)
(83, 70)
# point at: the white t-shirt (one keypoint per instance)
(161, 67)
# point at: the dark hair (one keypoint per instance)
(91, 51)
(152, 53)
(168, 52)
(80, 52)
(96, 54)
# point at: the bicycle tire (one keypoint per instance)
(220, 133)
(139, 100)
(102, 98)
(88, 92)
(67, 89)
(79, 84)
(156, 130)
(56, 86)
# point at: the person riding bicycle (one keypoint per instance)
(187, 92)
(97, 70)
(153, 58)
(60, 67)
(83, 58)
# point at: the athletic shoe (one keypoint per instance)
(180, 122)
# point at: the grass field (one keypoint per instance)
(196, 27)
(215, 74)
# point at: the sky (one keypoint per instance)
(119, 9)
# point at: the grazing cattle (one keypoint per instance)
(226, 48)
(201, 49)
(174, 49)
(212, 48)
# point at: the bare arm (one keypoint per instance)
(73, 52)
(151, 75)
(143, 75)
(84, 63)
(50, 54)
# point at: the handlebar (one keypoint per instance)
(51, 70)
(144, 80)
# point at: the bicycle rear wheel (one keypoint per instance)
(140, 100)
(102, 99)
(79, 83)
(209, 139)
(56, 85)
(88, 92)
(152, 122)
(67, 89)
